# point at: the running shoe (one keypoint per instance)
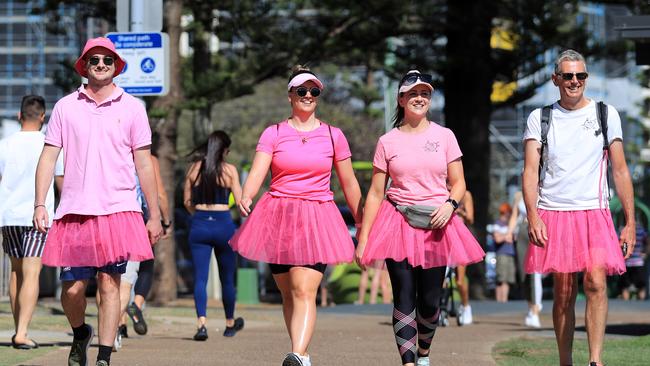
(135, 313)
(532, 321)
(123, 331)
(231, 331)
(293, 359)
(465, 317)
(102, 363)
(201, 334)
(423, 361)
(117, 343)
(79, 350)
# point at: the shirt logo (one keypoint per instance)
(431, 146)
(592, 125)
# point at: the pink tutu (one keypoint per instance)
(392, 237)
(294, 231)
(577, 241)
(95, 241)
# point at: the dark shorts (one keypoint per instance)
(284, 268)
(636, 276)
(84, 273)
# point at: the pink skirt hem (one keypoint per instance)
(392, 237)
(95, 241)
(294, 231)
(578, 241)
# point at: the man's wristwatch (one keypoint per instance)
(453, 202)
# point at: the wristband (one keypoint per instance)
(453, 202)
(35, 206)
(167, 225)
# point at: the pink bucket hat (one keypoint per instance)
(80, 64)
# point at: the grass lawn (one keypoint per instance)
(527, 351)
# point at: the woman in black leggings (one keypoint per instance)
(421, 158)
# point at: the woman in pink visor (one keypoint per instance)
(295, 226)
(412, 223)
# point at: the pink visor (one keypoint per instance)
(303, 78)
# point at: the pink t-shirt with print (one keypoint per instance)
(417, 164)
(98, 143)
(301, 165)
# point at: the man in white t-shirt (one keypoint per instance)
(570, 226)
(19, 155)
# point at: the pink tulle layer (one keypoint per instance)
(577, 241)
(285, 230)
(392, 237)
(95, 241)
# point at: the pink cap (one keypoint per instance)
(303, 78)
(405, 88)
(103, 42)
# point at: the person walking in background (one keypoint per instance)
(208, 184)
(419, 157)
(381, 279)
(105, 135)
(636, 274)
(570, 225)
(23, 244)
(505, 251)
(532, 283)
(296, 227)
(466, 212)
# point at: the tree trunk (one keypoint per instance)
(165, 285)
(468, 79)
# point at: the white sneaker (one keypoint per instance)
(117, 343)
(423, 361)
(306, 360)
(465, 315)
(294, 359)
(532, 321)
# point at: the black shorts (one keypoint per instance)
(284, 268)
(636, 276)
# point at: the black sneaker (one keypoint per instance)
(231, 331)
(201, 334)
(79, 351)
(292, 359)
(135, 313)
(123, 331)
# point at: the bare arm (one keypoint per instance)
(261, 165)
(147, 176)
(373, 201)
(44, 174)
(512, 223)
(468, 204)
(625, 192)
(190, 178)
(163, 201)
(536, 227)
(234, 184)
(350, 187)
(456, 179)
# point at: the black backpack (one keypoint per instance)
(601, 113)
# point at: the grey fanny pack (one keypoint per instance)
(418, 216)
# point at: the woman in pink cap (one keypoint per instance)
(105, 136)
(296, 227)
(412, 224)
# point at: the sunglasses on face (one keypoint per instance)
(301, 91)
(411, 79)
(108, 60)
(569, 75)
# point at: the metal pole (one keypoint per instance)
(137, 15)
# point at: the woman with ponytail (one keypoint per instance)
(208, 184)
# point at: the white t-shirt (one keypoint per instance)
(573, 157)
(19, 154)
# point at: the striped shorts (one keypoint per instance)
(22, 241)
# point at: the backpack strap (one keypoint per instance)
(545, 123)
(601, 113)
(332, 139)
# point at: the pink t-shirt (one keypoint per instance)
(417, 164)
(302, 169)
(98, 143)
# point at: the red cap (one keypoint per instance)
(80, 64)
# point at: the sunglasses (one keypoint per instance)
(108, 60)
(301, 91)
(411, 79)
(569, 75)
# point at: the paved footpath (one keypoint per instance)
(345, 335)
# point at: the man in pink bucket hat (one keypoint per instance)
(97, 227)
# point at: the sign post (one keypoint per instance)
(147, 62)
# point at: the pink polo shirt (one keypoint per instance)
(98, 143)
(303, 169)
(417, 164)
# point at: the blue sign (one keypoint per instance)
(150, 52)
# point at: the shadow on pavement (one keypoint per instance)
(629, 329)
